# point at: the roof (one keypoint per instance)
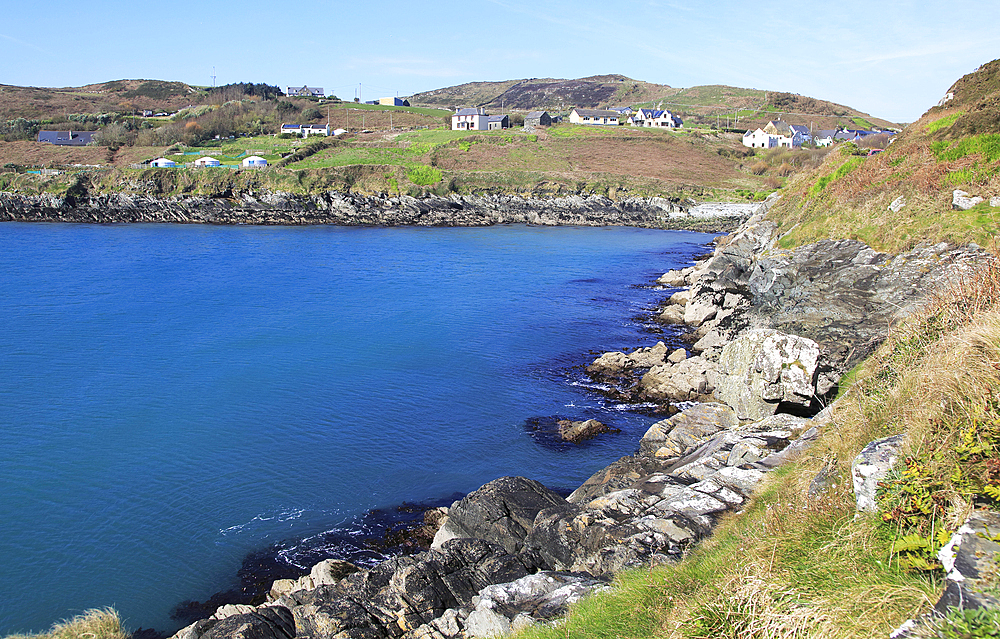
(534, 114)
(596, 113)
(799, 128)
(291, 126)
(469, 111)
(780, 126)
(67, 138)
(497, 118)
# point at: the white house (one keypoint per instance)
(254, 161)
(305, 92)
(760, 140)
(305, 130)
(655, 118)
(207, 161)
(470, 120)
(593, 117)
(163, 163)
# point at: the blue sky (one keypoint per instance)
(891, 59)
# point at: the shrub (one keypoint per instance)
(759, 167)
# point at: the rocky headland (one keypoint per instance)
(347, 209)
(771, 333)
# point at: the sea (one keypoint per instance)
(177, 398)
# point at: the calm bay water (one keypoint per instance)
(174, 397)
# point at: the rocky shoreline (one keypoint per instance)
(280, 208)
(771, 333)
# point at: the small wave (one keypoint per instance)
(290, 514)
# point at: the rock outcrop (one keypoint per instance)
(333, 207)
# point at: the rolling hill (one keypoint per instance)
(720, 105)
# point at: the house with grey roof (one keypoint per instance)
(67, 138)
(655, 118)
(471, 119)
(304, 92)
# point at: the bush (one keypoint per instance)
(759, 167)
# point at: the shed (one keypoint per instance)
(207, 161)
(254, 161)
(538, 118)
(163, 163)
(498, 122)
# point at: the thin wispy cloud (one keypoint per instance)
(25, 44)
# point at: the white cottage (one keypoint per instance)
(254, 161)
(470, 120)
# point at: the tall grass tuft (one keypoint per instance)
(98, 623)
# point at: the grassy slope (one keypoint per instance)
(564, 159)
(954, 146)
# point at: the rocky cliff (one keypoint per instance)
(333, 207)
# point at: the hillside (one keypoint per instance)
(905, 195)
(710, 105)
(109, 97)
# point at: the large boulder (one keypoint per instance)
(501, 512)
(764, 368)
(688, 379)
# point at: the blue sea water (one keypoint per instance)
(174, 397)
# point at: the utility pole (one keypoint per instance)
(213, 77)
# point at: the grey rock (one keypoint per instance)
(501, 511)
(870, 467)
(684, 431)
(763, 368)
(961, 201)
(897, 205)
(570, 431)
(672, 314)
(272, 622)
(970, 561)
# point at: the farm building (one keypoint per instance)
(390, 102)
(538, 118)
(593, 117)
(67, 138)
(498, 122)
(163, 163)
(207, 161)
(254, 161)
(470, 120)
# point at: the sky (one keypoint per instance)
(892, 59)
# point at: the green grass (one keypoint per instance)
(986, 145)
(942, 123)
(843, 170)
(435, 113)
